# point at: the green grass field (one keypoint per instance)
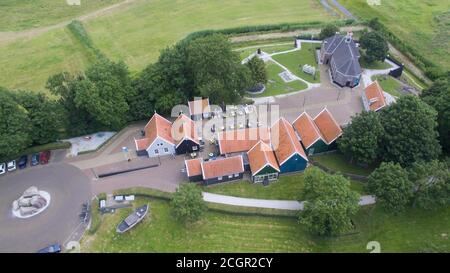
(294, 61)
(424, 25)
(288, 187)
(389, 85)
(337, 162)
(276, 85)
(374, 65)
(27, 63)
(413, 231)
(270, 49)
(138, 33)
(24, 14)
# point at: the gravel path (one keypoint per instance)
(270, 204)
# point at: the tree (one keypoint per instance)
(96, 99)
(328, 31)
(216, 70)
(78, 120)
(438, 96)
(257, 70)
(14, 126)
(361, 139)
(46, 116)
(376, 47)
(188, 204)
(329, 203)
(431, 184)
(391, 186)
(410, 132)
(103, 93)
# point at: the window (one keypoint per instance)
(272, 176)
(258, 179)
(194, 148)
(230, 176)
(156, 151)
(236, 175)
(219, 178)
(166, 150)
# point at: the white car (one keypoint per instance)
(11, 166)
(2, 168)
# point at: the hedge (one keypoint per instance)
(283, 27)
(80, 33)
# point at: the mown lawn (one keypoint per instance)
(337, 162)
(412, 231)
(24, 14)
(389, 85)
(294, 61)
(424, 25)
(374, 65)
(276, 85)
(136, 34)
(270, 49)
(288, 187)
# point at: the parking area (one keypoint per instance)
(165, 177)
(68, 187)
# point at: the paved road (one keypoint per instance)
(68, 187)
(271, 204)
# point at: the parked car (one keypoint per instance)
(2, 168)
(55, 248)
(44, 157)
(34, 160)
(23, 160)
(11, 165)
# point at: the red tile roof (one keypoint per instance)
(328, 126)
(184, 128)
(156, 127)
(193, 167)
(307, 130)
(285, 142)
(260, 156)
(241, 140)
(197, 107)
(222, 167)
(375, 97)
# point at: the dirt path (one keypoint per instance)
(276, 35)
(29, 33)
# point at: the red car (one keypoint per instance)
(44, 157)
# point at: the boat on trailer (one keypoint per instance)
(133, 219)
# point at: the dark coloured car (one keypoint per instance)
(34, 160)
(44, 157)
(23, 160)
(56, 248)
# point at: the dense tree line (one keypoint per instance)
(424, 185)
(28, 118)
(404, 132)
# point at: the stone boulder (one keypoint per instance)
(27, 210)
(30, 192)
(38, 202)
(24, 202)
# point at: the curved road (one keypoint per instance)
(68, 187)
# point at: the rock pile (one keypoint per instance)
(30, 202)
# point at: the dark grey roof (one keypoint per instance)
(345, 54)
